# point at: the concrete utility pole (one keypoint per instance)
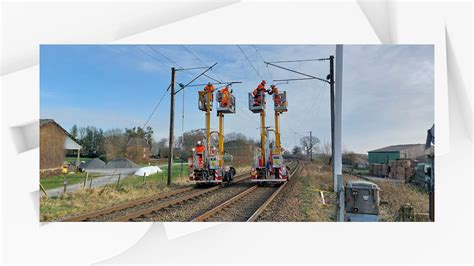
(170, 154)
(337, 142)
(331, 83)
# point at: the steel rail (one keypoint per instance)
(169, 203)
(262, 208)
(221, 206)
(241, 195)
(94, 214)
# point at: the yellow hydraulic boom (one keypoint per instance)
(277, 132)
(208, 121)
(263, 135)
(221, 139)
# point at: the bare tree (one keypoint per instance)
(326, 151)
(309, 144)
(158, 146)
(115, 143)
(297, 150)
(349, 157)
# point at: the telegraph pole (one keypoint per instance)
(170, 154)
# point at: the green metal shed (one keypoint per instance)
(405, 151)
(383, 157)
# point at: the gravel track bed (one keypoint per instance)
(285, 206)
(190, 209)
(112, 215)
(241, 210)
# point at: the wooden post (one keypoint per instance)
(85, 179)
(322, 197)
(78, 159)
(118, 180)
(171, 138)
(90, 183)
(144, 178)
(65, 185)
(44, 190)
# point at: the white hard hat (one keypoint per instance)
(199, 142)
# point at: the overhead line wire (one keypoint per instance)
(150, 55)
(174, 62)
(200, 60)
(301, 60)
(263, 60)
(248, 60)
(156, 107)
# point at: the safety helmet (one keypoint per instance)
(209, 84)
(199, 142)
(264, 82)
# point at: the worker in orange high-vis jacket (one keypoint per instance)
(225, 94)
(199, 147)
(274, 90)
(258, 91)
(210, 88)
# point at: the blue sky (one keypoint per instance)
(388, 90)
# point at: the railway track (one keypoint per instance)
(246, 206)
(137, 208)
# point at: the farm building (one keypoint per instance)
(395, 152)
(54, 141)
(138, 150)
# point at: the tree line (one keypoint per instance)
(107, 144)
(112, 143)
(322, 151)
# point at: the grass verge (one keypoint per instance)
(58, 180)
(87, 200)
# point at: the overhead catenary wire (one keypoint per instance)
(174, 62)
(263, 60)
(193, 54)
(297, 72)
(156, 106)
(248, 60)
(195, 78)
(246, 116)
(150, 55)
(163, 55)
(318, 100)
(200, 60)
(300, 60)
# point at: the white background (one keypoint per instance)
(447, 25)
